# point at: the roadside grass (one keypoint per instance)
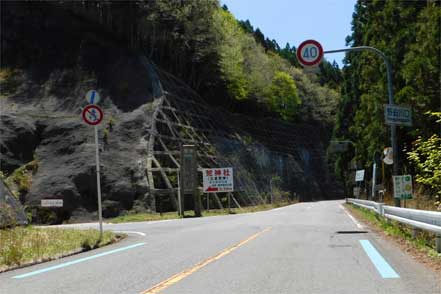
(28, 245)
(142, 217)
(423, 243)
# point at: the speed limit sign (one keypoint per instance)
(309, 53)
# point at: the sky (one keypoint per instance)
(293, 21)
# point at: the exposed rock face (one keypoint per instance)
(40, 120)
(11, 211)
(18, 139)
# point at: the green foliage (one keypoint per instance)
(283, 97)
(7, 215)
(20, 180)
(409, 35)
(21, 245)
(232, 55)
(199, 42)
(8, 81)
(426, 158)
(256, 68)
(248, 140)
(276, 180)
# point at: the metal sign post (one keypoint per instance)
(374, 175)
(393, 129)
(98, 182)
(93, 115)
(180, 212)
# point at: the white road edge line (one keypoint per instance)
(360, 226)
(131, 232)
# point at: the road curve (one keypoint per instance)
(303, 248)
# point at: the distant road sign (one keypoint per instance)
(93, 97)
(359, 175)
(309, 53)
(388, 155)
(217, 180)
(92, 114)
(403, 187)
(397, 115)
(51, 202)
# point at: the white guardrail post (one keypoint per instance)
(380, 210)
(417, 219)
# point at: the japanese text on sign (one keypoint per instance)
(397, 115)
(403, 187)
(218, 180)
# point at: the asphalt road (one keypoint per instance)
(294, 249)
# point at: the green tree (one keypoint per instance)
(283, 97)
(231, 54)
(409, 35)
(426, 159)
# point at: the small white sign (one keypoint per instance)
(93, 97)
(311, 69)
(359, 175)
(403, 187)
(388, 155)
(218, 180)
(52, 202)
(397, 115)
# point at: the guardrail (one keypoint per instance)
(418, 219)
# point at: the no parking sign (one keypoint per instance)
(92, 114)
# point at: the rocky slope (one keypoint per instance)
(41, 101)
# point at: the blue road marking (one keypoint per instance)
(385, 270)
(69, 263)
(93, 97)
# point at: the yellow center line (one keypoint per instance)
(185, 273)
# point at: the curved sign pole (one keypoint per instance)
(393, 128)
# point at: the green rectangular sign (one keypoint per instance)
(403, 187)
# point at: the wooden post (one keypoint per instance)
(197, 203)
(208, 201)
(189, 177)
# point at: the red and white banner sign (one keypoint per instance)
(218, 180)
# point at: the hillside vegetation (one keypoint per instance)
(223, 59)
(408, 32)
(169, 73)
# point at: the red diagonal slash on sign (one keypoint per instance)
(212, 189)
(95, 112)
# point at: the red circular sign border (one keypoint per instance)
(299, 50)
(98, 109)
